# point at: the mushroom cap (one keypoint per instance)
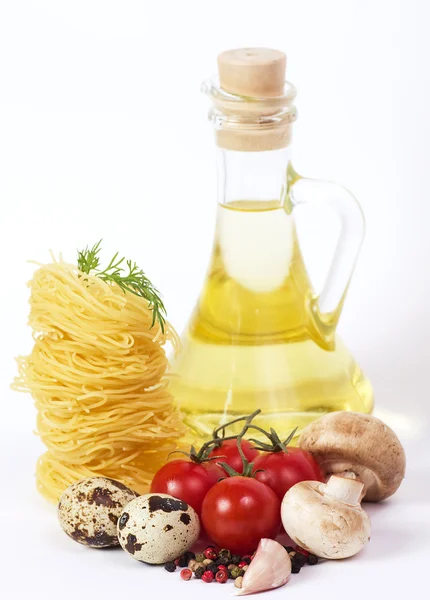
(322, 524)
(361, 444)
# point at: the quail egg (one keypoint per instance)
(156, 528)
(88, 510)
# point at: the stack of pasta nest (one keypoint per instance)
(97, 375)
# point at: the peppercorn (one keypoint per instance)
(242, 564)
(221, 577)
(222, 560)
(192, 565)
(198, 573)
(207, 561)
(289, 549)
(224, 553)
(186, 574)
(208, 577)
(182, 561)
(200, 558)
(170, 567)
(312, 559)
(230, 566)
(213, 568)
(223, 568)
(236, 572)
(247, 558)
(244, 569)
(189, 556)
(235, 559)
(238, 582)
(295, 565)
(300, 558)
(211, 553)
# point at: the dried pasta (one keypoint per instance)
(97, 374)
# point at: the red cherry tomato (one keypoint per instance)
(187, 481)
(230, 453)
(282, 470)
(238, 511)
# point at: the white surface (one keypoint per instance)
(103, 134)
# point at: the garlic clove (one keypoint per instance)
(270, 568)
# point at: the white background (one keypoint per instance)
(103, 133)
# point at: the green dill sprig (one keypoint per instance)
(127, 275)
(88, 260)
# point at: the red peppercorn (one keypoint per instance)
(176, 561)
(301, 550)
(221, 576)
(211, 553)
(186, 574)
(208, 577)
(242, 564)
(222, 568)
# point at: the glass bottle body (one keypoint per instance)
(257, 338)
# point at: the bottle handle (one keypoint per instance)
(326, 307)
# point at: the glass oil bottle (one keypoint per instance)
(259, 336)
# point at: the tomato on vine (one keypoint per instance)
(280, 467)
(226, 449)
(191, 479)
(239, 511)
(229, 453)
(187, 480)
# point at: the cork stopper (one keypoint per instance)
(255, 72)
(253, 106)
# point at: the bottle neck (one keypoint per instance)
(255, 176)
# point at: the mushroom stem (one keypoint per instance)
(350, 475)
(344, 489)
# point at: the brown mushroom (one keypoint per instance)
(359, 446)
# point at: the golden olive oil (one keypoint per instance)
(255, 340)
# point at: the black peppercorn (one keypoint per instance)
(182, 561)
(213, 568)
(246, 559)
(312, 559)
(296, 564)
(235, 559)
(289, 549)
(224, 553)
(170, 566)
(189, 556)
(199, 572)
(222, 560)
(300, 558)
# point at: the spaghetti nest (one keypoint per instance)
(97, 376)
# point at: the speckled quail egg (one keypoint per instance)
(88, 510)
(156, 528)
